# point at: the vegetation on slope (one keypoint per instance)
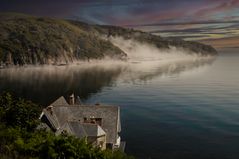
(26, 39)
(20, 139)
(143, 37)
(35, 40)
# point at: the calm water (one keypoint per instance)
(181, 110)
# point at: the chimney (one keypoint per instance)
(72, 99)
(50, 109)
(97, 104)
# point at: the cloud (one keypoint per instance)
(220, 6)
(177, 18)
(51, 8)
(185, 23)
(194, 30)
(228, 42)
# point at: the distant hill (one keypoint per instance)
(144, 37)
(27, 39)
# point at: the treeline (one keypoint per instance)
(19, 138)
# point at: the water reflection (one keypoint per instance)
(144, 71)
(44, 84)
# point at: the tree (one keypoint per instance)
(17, 112)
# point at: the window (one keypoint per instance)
(93, 120)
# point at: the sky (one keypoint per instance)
(213, 22)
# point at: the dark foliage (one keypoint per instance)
(32, 40)
(17, 112)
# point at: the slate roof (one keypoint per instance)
(73, 129)
(82, 130)
(60, 101)
(93, 129)
(69, 117)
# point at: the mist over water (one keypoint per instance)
(44, 84)
(139, 51)
(86, 78)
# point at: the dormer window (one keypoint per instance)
(93, 120)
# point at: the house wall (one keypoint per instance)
(98, 141)
(101, 141)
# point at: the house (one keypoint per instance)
(99, 124)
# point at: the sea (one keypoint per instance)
(185, 109)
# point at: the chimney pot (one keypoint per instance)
(72, 99)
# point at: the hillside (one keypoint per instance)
(26, 39)
(144, 37)
(32, 40)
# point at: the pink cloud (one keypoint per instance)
(216, 8)
(149, 17)
(188, 12)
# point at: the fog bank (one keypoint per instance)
(138, 51)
